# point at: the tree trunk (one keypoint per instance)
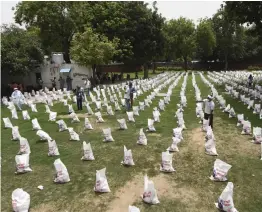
(94, 70)
(145, 71)
(185, 63)
(226, 62)
(66, 46)
(154, 67)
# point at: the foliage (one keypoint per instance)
(180, 35)
(254, 68)
(89, 48)
(20, 50)
(205, 38)
(57, 21)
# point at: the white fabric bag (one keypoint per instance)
(99, 118)
(107, 135)
(142, 138)
(133, 209)
(177, 132)
(150, 194)
(226, 110)
(52, 148)
(88, 153)
(35, 124)
(141, 106)
(136, 110)
(22, 163)
(65, 102)
(117, 108)
(25, 115)
(173, 147)
(156, 115)
(20, 200)
(122, 124)
(209, 134)
(52, 116)
(225, 201)
(15, 133)
(98, 105)
(70, 109)
(43, 135)
(128, 158)
(257, 135)
(14, 113)
(130, 116)
(24, 146)
(33, 108)
(205, 125)
(150, 123)
(73, 135)
(47, 109)
(74, 118)
(240, 119)
(246, 128)
(257, 109)
(166, 165)
(109, 110)
(220, 170)
(61, 125)
(231, 113)
(101, 181)
(62, 175)
(89, 110)
(210, 147)
(74, 99)
(250, 104)
(7, 123)
(123, 102)
(88, 125)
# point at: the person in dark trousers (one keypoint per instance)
(53, 82)
(250, 80)
(68, 83)
(62, 82)
(209, 107)
(79, 97)
(132, 91)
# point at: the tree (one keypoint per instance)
(205, 38)
(181, 36)
(20, 50)
(57, 21)
(89, 48)
(249, 12)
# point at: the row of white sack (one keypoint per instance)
(21, 199)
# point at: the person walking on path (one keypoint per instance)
(209, 107)
(79, 97)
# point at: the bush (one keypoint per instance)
(254, 68)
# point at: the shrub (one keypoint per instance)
(254, 68)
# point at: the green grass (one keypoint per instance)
(188, 189)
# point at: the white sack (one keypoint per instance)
(62, 175)
(225, 201)
(156, 115)
(20, 200)
(43, 135)
(14, 113)
(89, 109)
(117, 108)
(133, 209)
(166, 165)
(240, 119)
(52, 148)
(47, 109)
(88, 153)
(220, 170)
(99, 118)
(141, 106)
(33, 108)
(136, 110)
(52, 116)
(24, 146)
(74, 118)
(70, 109)
(101, 181)
(22, 163)
(61, 125)
(246, 128)
(122, 124)
(205, 125)
(130, 116)
(150, 194)
(257, 135)
(150, 123)
(142, 138)
(173, 147)
(15, 133)
(7, 123)
(210, 147)
(128, 158)
(25, 115)
(107, 135)
(88, 125)
(73, 135)
(177, 132)
(109, 110)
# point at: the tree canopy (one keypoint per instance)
(20, 50)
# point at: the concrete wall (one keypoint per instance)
(48, 72)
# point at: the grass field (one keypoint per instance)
(189, 189)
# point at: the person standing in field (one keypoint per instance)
(250, 80)
(79, 97)
(18, 98)
(132, 91)
(127, 97)
(209, 110)
(87, 85)
(62, 82)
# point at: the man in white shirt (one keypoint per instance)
(209, 107)
(87, 85)
(17, 98)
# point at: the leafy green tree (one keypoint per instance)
(181, 37)
(205, 38)
(20, 50)
(57, 21)
(91, 49)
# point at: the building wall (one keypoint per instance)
(48, 72)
